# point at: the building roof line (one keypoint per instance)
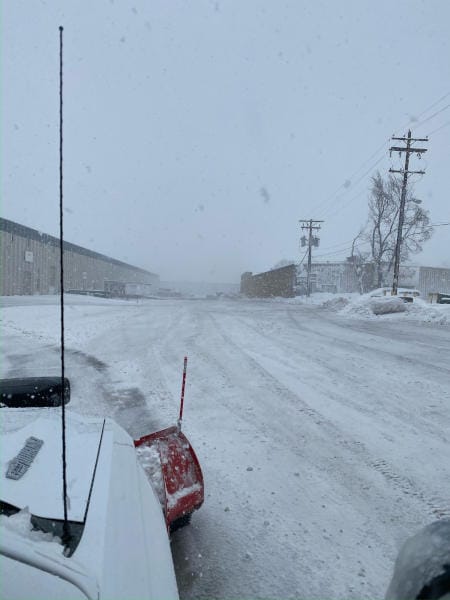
(27, 232)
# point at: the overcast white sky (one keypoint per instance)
(198, 133)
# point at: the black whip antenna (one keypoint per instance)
(66, 530)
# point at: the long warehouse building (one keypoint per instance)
(30, 264)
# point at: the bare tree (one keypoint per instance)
(381, 228)
(360, 263)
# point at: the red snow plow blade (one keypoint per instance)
(181, 490)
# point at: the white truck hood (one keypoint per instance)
(40, 488)
(124, 549)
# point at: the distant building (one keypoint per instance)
(425, 279)
(30, 264)
(434, 280)
(346, 276)
(336, 277)
(278, 282)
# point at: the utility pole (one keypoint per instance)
(312, 241)
(408, 149)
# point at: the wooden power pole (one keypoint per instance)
(312, 241)
(408, 149)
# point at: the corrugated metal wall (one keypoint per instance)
(30, 264)
(336, 277)
(432, 279)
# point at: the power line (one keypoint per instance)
(338, 245)
(333, 196)
(342, 250)
(301, 262)
(324, 208)
(409, 149)
(338, 209)
(352, 185)
(331, 211)
(349, 201)
(432, 116)
(426, 110)
(434, 104)
(439, 128)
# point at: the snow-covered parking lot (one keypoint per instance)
(323, 438)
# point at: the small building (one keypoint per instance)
(278, 282)
(30, 264)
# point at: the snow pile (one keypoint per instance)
(388, 305)
(368, 306)
(359, 307)
(429, 313)
(354, 304)
(336, 304)
(374, 305)
(326, 300)
(150, 460)
(20, 523)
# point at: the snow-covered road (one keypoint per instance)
(324, 440)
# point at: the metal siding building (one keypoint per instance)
(334, 277)
(30, 264)
(433, 279)
(341, 277)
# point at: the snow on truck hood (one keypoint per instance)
(124, 550)
(39, 485)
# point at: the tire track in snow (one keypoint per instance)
(407, 487)
(221, 562)
(356, 366)
(126, 405)
(424, 365)
(133, 387)
(436, 507)
(93, 391)
(321, 478)
(259, 512)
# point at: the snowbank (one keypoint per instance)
(396, 308)
(322, 299)
(368, 306)
(375, 306)
(420, 310)
(386, 306)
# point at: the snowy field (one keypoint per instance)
(322, 430)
